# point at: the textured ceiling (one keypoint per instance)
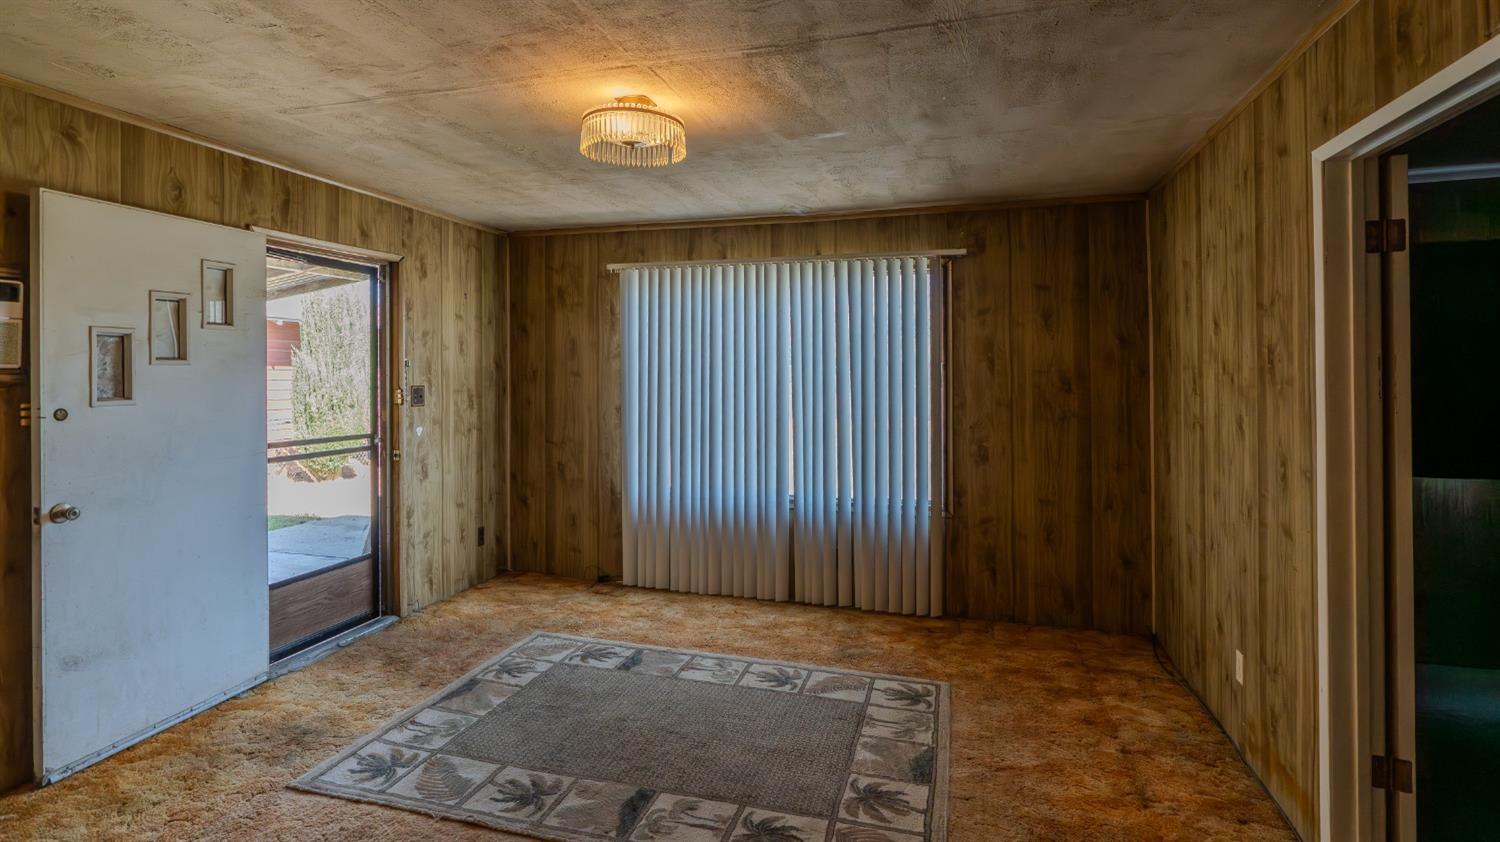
(472, 106)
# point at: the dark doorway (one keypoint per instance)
(1454, 192)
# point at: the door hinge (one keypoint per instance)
(1383, 236)
(1390, 774)
(400, 396)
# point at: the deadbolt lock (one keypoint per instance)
(62, 513)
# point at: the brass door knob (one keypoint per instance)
(62, 513)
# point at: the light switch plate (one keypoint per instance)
(1239, 667)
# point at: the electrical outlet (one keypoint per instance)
(1239, 667)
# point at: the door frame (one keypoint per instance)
(1350, 523)
(390, 399)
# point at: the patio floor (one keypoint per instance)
(316, 544)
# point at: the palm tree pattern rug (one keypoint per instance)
(572, 739)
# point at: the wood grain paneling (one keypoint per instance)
(1231, 246)
(528, 407)
(1177, 381)
(15, 592)
(452, 309)
(979, 581)
(1230, 407)
(493, 421)
(171, 175)
(422, 444)
(572, 402)
(1280, 717)
(48, 143)
(460, 320)
(1120, 372)
(1031, 298)
(1050, 428)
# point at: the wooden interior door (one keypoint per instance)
(150, 511)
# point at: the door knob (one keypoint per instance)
(62, 513)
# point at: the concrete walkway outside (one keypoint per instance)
(316, 544)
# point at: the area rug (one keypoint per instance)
(571, 738)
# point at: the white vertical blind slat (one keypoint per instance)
(763, 416)
(697, 407)
(800, 532)
(937, 411)
(754, 353)
(653, 457)
(865, 557)
(646, 541)
(780, 423)
(676, 574)
(743, 419)
(810, 506)
(910, 421)
(899, 451)
(883, 404)
(748, 386)
(716, 580)
(629, 281)
(844, 430)
(733, 563)
(828, 446)
(744, 416)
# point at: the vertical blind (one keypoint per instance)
(783, 430)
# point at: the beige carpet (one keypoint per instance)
(1057, 735)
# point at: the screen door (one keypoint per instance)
(323, 451)
(149, 490)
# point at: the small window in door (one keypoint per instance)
(169, 338)
(111, 366)
(218, 294)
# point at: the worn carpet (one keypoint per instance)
(1058, 735)
(578, 739)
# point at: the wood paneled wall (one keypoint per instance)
(451, 306)
(1232, 315)
(1051, 511)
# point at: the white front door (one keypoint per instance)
(150, 569)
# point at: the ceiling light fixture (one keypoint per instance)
(631, 131)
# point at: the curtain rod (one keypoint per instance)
(617, 267)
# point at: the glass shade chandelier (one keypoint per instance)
(631, 131)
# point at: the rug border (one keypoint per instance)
(307, 781)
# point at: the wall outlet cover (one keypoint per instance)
(419, 396)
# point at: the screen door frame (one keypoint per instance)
(377, 443)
